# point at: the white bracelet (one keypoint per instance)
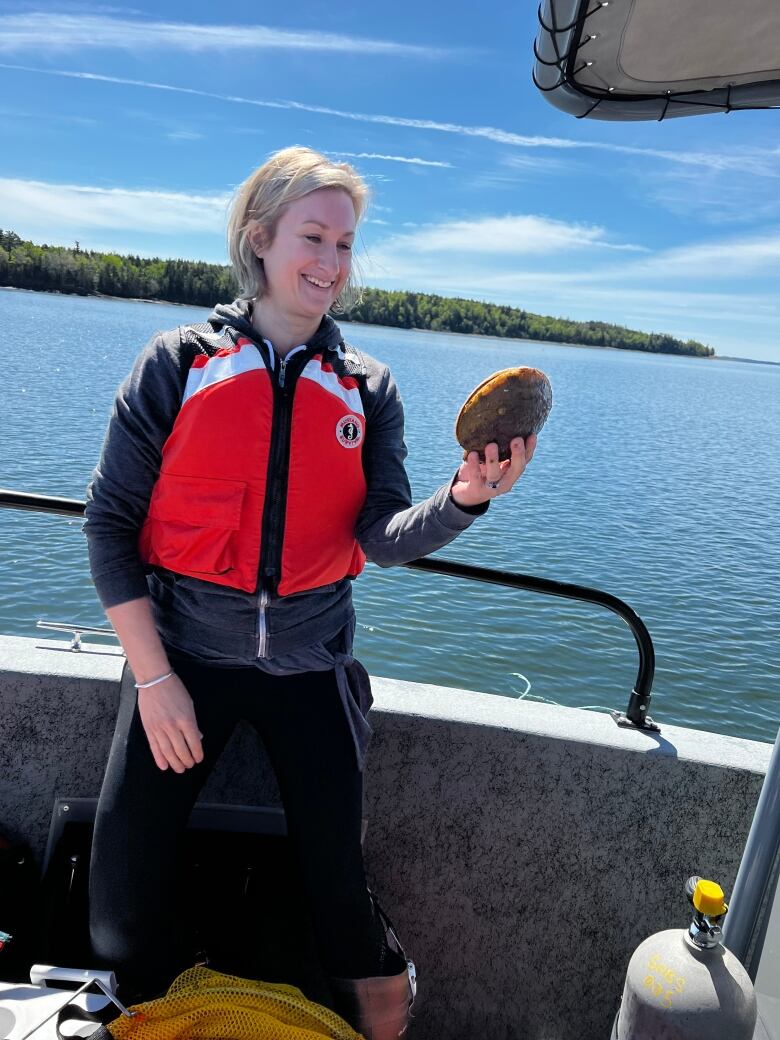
(152, 682)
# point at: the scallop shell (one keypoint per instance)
(512, 403)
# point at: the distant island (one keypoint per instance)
(25, 265)
(746, 360)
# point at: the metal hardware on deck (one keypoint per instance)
(639, 702)
(635, 703)
(115, 1000)
(76, 631)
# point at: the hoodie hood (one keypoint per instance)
(238, 315)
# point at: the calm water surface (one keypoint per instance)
(656, 479)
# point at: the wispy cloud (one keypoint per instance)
(411, 160)
(507, 236)
(497, 258)
(756, 161)
(491, 253)
(185, 135)
(724, 259)
(519, 168)
(40, 31)
(759, 161)
(74, 7)
(543, 163)
(80, 208)
(57, 118)
(712, 197)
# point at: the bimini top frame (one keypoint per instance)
(627, 60)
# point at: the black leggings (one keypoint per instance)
(143, 812)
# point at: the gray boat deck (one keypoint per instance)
(524, 850)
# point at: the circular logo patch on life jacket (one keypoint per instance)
(349, 431)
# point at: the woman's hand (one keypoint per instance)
(475, 478)
(168, 717)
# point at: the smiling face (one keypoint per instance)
(308, 262)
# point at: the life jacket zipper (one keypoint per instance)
(262, 628)
(275, 508)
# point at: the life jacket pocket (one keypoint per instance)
(192, 524)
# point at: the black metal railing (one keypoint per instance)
(71, 507)
(636, 713)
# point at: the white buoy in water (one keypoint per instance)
(684, 984)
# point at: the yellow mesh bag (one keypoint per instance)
(202, 1004)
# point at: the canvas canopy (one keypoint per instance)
(653, 59)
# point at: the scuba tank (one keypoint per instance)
(685, 984)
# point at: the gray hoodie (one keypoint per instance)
(213, 623)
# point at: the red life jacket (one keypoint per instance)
(261, 481)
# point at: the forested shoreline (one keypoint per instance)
(25, 265)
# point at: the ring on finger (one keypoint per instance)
(493, 484)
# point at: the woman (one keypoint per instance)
(250, 467)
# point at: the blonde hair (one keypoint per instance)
(287, 176)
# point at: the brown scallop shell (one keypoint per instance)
(512, 403)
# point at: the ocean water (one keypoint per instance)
(656, 479)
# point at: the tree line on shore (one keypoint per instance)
(24, 265)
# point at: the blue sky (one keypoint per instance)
(128, 129)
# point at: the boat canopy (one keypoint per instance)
(654, 59)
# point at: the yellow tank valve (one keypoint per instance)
(708, 898)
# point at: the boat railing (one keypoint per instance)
(636, 713)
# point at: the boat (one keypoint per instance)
(526, 849)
